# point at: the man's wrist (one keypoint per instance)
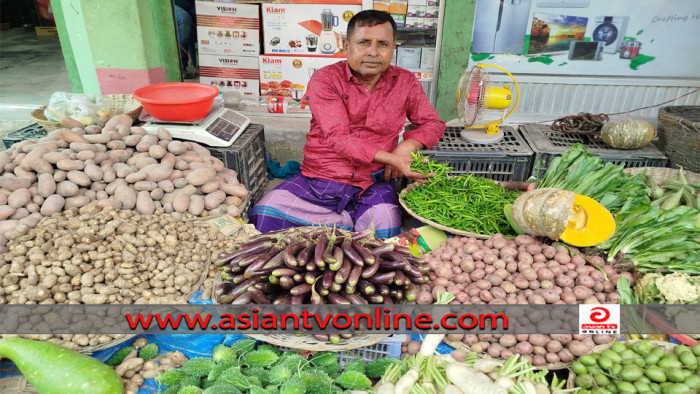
(412, 145)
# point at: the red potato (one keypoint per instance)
(489, 243)
(578, 260)
(534, 249)
(539, 258)
(546, 284)
(534, 285)
(578, 348)
(608, 286)
(470, 249)
(483, 284)
(499, 243)
(512, 267)
(498, 292)
(507, 340)
(452, 289)
(585, 280)
(437, 290)
(479, 265)
(527, 292)
(539, 350)
(549, 251)
(525, 257)
(498, 301)
(524, 348)
(525, 240)
(499, 264)
(473, 290)
(557, 271)
(462, 297)
(538, 360)
(456, 270)
(432, 276)
(601, 339)
(441, 282)
(597, 260)
(529, 274)
(538, 266)
(489, 258)
(413, 347)
(494, 279)
(562, 258)
(612, 298)
(536, 299)
(456, 260)
(485, 296)
(538, 339)
(552, 358)
(565, 281)
(550, 296)
(582, 292)
(475, 300)
(462, 278)
(443, 272)
(553, 346)
(455, 337)
(600, 297)
(544, 274)
(609, 270)
(578, 337)
(424, 298)
(598, 287)
(467, 265)
(509, 251)
(489, 269)
(509, 287)
(459, 355)
(565, 356)
(591, 300)
(477, 275)
(478, 255)
(470, 339)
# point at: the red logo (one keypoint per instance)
(599, 314)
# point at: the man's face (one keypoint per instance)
(369, 50)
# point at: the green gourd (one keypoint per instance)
(54, 369)
(627, 134)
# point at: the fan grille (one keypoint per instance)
(473, 95)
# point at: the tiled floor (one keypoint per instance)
(31, 68)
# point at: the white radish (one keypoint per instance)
(541, 388)
(452, 389)
(505, 382)
(487, 365)
(403, 386)
(431, 341)
(386, 388)
(471, 381)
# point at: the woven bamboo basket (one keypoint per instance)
(660, 174)
(679, 135)
(118, 104)
(667, 346)
(550, 367)
(432, 223)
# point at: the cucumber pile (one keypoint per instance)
(639, 367)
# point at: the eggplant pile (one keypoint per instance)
(319, 265)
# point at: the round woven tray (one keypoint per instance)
(118, 104)
(549, 367)
(667, 346)
(430, 222)
(660, 174)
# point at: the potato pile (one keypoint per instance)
(96, 255)
(520, 270)
(119, 166)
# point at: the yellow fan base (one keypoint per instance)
(590, 223)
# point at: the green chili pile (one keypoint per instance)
(466, 203)
(424, 165)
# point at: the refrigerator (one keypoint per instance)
(500, 26)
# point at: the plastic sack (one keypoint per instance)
(85, 108)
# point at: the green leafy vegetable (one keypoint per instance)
(243, 346)
(353, 380)
(260, 358)
(222, 352)
(295, 385)
(171, 378)
(221, 367)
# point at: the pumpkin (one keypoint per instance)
(627, 134)
(562, 215)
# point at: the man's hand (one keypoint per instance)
(398, 162)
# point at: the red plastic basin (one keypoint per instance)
(177, 101)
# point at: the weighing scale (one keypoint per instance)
(220, 128)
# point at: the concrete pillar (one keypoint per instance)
(113, 47)
(454, 55)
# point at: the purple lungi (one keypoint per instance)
(302, 201)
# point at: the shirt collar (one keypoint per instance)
(390, 72)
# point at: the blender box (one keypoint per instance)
(230, 73)
(306, 29)
(432, 11)
(228, 29)
(415, 22)
(416, 10)
(408, 57)
(289, 75)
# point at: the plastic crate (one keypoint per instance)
(387, 347)
(31, 132)
(548, 144)
(508, 160)
(247, 157)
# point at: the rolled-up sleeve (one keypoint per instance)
(429, 128)
(330, 112)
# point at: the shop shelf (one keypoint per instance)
(548, 144)
(508, 160)
(247, 157)
(31, 132)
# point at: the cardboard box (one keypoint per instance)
(416, 10)
(400, 20)
(432, 11)
(289, 76)
(297, 29)
(430, 23)
(231, 73)
(398, 6)
(408, 57)
(228, 29)
(417, 2)
(433, 2)
(380, 5)
(413, 22)
(427, 58)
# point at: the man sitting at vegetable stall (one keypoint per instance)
(359, 108)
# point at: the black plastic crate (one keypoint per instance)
(31, 132)
(247, 157)
(548, 144)
(507, 160)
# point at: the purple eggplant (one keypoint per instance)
(351, 254)
(385, 277)
(366, 255)
(344, 272)
(370, 271)
(338, 299)
(355, 299)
